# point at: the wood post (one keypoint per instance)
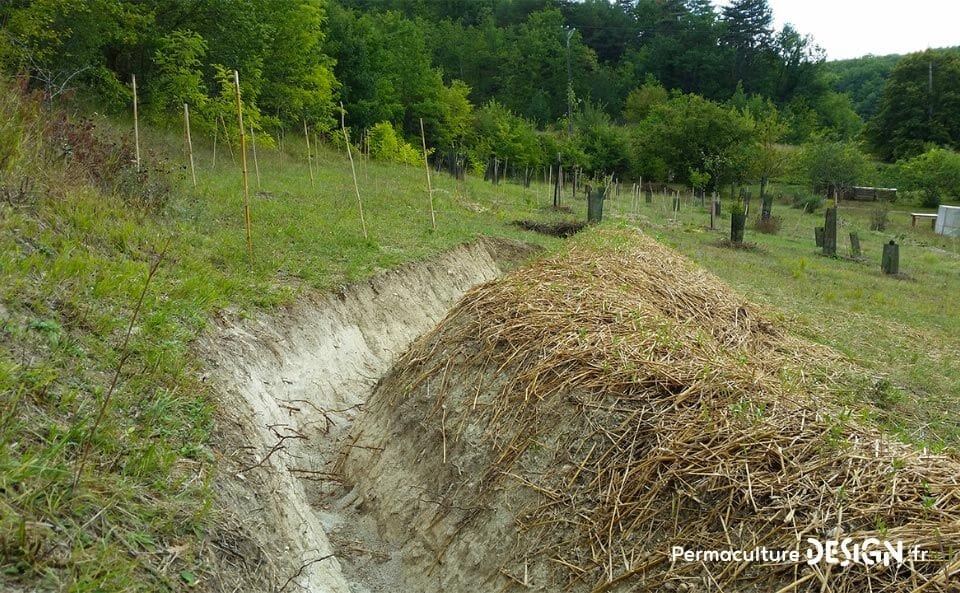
(714, 209)
(216, 132)
(226, 138)
(595, 197)
(556, 186)
(738, 221)
(186, 128)
(136, 119)
(256, 162)
(766, 208)
(830, 232)
(855, 245)
(426, 164)
(890, 263)
(818, 236)
(243, 158)
(306, 136)
(353, 169)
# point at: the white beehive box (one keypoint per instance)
(948, 221)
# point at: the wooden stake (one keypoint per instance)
(426, 164)
(136, 119)
(356, 186)
(256, 163)
(243, 158)
(186, 126)
(226, 138)
(306, 136)
(216, 132)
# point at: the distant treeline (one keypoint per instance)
(673, 90)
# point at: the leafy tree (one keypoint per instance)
(298, 78)
(920, 105)
(454, 114)
(681, 47)
(62, 44)
(499, 133)
(690, 133)
(179, 77)
(536, 79)
(833, 166)
(386, 144)
(800, 67)
(936, 173)
(604, 145)
(769, 129)
(641, 100)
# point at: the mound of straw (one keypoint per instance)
(642, 405)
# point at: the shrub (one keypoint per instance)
(387, 145)
(770, 226)
(110, 163)
(807, 202)
(936, 173)
(878, 217)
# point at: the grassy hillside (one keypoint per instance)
(79, 232)
(903, 331)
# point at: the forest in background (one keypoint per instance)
(676, 91)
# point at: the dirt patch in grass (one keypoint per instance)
(555, 229)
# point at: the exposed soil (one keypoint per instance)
(555, 229)
(290, 386)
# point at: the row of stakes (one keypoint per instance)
(826, 236)
(826, 239)
(243, 152)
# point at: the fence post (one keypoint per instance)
(186, 125)
(830, 231)
(243, 158)
(890, 263)
(855, 245)
(136, 119)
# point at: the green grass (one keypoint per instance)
(905, 332)
(73, 262)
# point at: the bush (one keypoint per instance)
(770, 226)
(387, 145)
(110, 163)
(878, 218)
(936, 173)
(807, 202)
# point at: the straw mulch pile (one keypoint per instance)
(631, 402)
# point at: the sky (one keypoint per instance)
(853, 28)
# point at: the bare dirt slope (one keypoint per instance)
(290, 385)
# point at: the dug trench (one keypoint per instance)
(562, 427)
(290, 386)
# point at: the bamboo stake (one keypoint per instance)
(243, 158)
(306, 136)
(426, 164)
(136, 119)
(186, 125)
(216, 132)
(256, 163)
(356, 186)
(226, 138)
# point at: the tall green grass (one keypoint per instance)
(75, 249)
